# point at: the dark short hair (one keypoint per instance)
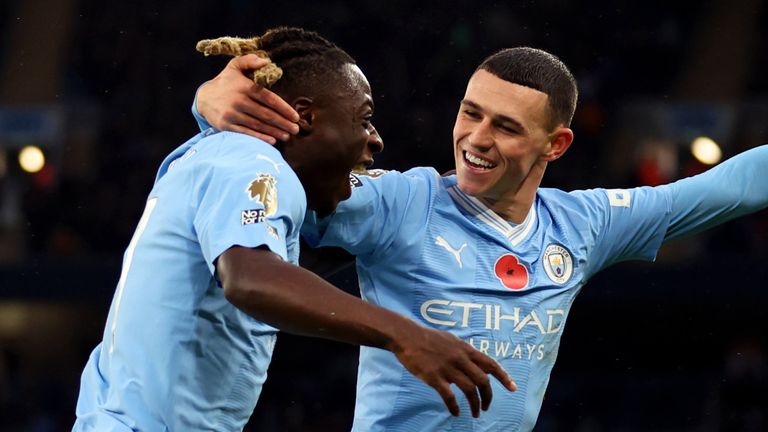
(539, 70)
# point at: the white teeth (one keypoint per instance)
(477, 161)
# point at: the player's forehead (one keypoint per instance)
(497, 97)
(357, 87)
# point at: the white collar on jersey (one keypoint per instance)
(515, 233)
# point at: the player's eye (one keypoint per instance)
(508, 129)
(472, 114)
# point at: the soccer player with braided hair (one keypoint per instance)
(489, 254)
(211, 272)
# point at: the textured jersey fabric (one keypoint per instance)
(432, 253)
(176, 355)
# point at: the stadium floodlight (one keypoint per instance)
(31, 159)
(706, 150)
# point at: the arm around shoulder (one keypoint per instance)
(233, 102)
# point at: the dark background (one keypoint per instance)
(105, 89)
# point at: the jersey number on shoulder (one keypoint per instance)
(127, 260)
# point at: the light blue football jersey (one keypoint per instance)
(432, 253)
(176, 355)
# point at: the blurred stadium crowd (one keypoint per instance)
(104, 89)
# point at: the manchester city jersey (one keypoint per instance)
(176, 355)
(432, 253)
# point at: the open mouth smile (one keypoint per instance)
(477, 162)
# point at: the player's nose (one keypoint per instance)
(375, 143)
(481, 135)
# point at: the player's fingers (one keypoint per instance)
(467, 386)
(257, 108)
(280, 106)
(243, 130)
(255, 124)
(486, 392)
(479, 379)
(247, 62)
(444, 389)
(277, 111)
(490, 366)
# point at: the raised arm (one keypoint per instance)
(734, 188)
(233, 102)
(295, 300)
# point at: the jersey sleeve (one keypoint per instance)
(633, 223)
(382, 206)
(624, 224)
(246, 202)
(202, 123)
(734, 188)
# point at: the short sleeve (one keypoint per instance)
(249, 202)
(626, 223)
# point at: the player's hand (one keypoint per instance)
(233, 102)
(441, 359)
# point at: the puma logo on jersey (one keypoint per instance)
(188, 154)
(274, 164)
(440, 241)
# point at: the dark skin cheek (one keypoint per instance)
(328, 163)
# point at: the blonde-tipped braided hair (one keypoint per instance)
(310, 65)
(235, 46)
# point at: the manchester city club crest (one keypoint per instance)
(558, 263)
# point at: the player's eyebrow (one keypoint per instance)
(497, 118)
(367, 105)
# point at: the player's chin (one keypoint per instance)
(329, 206)
(470, 186)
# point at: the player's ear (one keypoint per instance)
(303, 106)
(559, 142)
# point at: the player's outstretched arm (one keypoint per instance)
(233, 102)
(734, 188)
(294, 300)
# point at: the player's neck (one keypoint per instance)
(513, 209)
(515, 203)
